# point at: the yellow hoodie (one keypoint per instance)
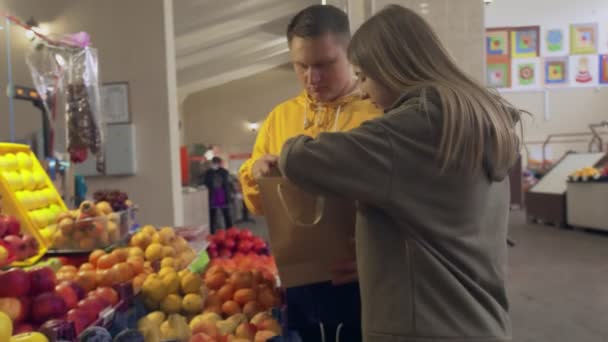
(301, 115)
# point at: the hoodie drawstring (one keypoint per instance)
(338, 331)
(308, 122)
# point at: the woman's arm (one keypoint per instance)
(355, 164)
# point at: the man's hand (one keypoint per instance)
(344, 272)
(264, 165)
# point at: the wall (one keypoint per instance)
(218, 115)
(569, 110)
(131, 39)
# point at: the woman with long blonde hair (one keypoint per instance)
(430, 178)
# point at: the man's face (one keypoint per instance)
(321, 66)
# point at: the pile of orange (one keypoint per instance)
(239, 291)
(122, 265)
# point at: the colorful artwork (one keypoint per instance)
(497, 43)
(526, 73)
(583, 39)
(524, 42)
(584, 70)
(556, 71)
(497, 75)
(603, 77)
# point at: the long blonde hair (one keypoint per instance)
(398, 48)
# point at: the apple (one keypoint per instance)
(67, 292)
(230, 244)
(31, 244)
(246, 330)
(3, 227)
(14, 308)
(271, 325)
(81, 319)
(232, 233)
(42, 280)
(206, 327)
(26, 303)
(226, 254)
(15, 283)
(245, 234)
(23, 328)
(18, 246)
(48, 306)
(245, 246)
(10, 225)
(202, 337)
(213, 254)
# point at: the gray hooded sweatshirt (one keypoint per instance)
(431, 248)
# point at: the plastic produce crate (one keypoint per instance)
(29, 195)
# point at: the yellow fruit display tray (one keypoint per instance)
(29, 195)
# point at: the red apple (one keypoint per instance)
(15, 283)
(31, 244)
(78, 290)
(232, 233)
(48, 306)
(220, 235)
(230, 244)
(206, 327)
(69, 295)
(18, 246)
(23, 328)
(81, 319)
(42, 280)
(202, 337)
(213, 253)
(10, 225)
(3, 227)
(245, 234)
(245, 246)
(14, 308)
(26, 303)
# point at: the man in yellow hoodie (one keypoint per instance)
(318, 37)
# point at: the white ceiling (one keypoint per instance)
(218, 41)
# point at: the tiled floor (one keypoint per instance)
(558, 282)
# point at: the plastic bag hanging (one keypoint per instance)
(66, 71)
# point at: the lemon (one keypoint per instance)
(3, 255)
(168, 252)
(191, 283)
(192, 303)
(154, 288)
(171, 304)
(168, 262)
(149, 229)
(166, 235)
(154, 252)
(157, 317)
(165, 270)
(171, 282)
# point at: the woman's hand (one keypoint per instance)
(263, 166)
(345, 272)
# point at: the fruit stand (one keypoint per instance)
(96, 277)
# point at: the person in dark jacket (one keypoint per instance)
(217, 181)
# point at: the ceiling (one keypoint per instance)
(221, 41)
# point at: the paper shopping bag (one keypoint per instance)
(309, 234)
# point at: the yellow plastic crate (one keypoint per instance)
(29, 195)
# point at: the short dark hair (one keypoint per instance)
(317, 20)
(216, 160)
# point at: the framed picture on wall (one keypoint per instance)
(115, 102)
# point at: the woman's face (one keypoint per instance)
(381, 96)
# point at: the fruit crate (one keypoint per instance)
(28, 194)
(86, 235)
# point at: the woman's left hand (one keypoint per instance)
(345, 272)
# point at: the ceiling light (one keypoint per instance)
(487, 2)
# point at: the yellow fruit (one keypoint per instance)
(191, 283)
(166, 270)
(136, 251)
(6, 327)
(141, 240)
(154, 252)
(157, 317)
(210, 317)
(3, 255)
(192, 303)
(168, 252)
(168, 262)
(180, 244)
(155, 238)
(166, 235)
(182, 273)
(154, 288)
(113, 232)
(148, 229)
(175, 328)
(171, 304)
(104, 208)
(171, 282)
(29, 337)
